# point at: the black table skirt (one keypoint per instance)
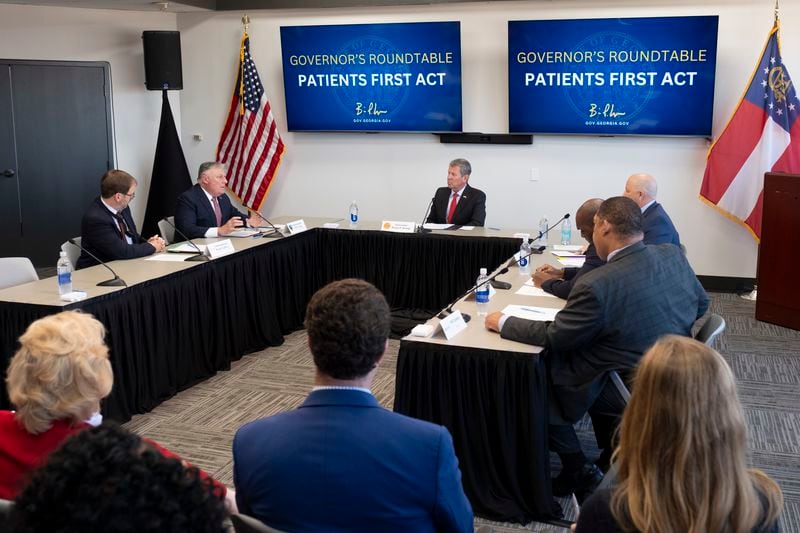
(167, 334)
(494, 404)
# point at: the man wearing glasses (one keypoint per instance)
(107, 228)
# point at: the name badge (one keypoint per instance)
(298, 226)
(453, 324)
(398, 226)
(219, 248)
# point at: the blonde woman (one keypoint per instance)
(56, 381)
(682, 453)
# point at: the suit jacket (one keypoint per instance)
(658, 227)
(613, 315)
(194, 214)
(562, 287)
(470, 209)
(341, 462)
(100, 235)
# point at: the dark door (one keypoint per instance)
(10, 215)
(62, 137)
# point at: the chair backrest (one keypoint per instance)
(16, 271)
(713, 326)
(243, 523)
(620, 385)
(73, 252)
(166, 230)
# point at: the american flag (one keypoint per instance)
(250, 145)
(763, 135)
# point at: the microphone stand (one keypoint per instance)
(275, 231)
(115, 282)
(422, 229)
(199, 256)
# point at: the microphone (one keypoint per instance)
(115, 282)
(275, 231)
(199, 256)
(500, 284)
(542, 234)
(420, 229)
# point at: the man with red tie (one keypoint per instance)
(458, 203)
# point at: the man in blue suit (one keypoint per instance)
(107, 227)
(341, 462)
(205, 210)
(658, 228)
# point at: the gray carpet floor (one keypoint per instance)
(199, 423)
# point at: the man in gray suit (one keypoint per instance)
(612, 316)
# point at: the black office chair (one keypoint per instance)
(711, 329)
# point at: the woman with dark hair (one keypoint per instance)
(681, 458)
(56, 381)
(108, 479)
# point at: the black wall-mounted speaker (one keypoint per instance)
(485, 138)
(162, 60)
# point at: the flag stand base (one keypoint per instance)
(752, 295)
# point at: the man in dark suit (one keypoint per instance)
(613, 314)
(341, 461)
(658, 227)
(205, 210)
(559, 281)
(107, 228)
(458, 203)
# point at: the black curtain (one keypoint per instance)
(170, 175)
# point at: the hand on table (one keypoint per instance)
(158, 243)
(230, 226)
(492, 321)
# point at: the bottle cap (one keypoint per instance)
(62, 253)
(483, 271)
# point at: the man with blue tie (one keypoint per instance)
(658, 227)
(342, 462)
(107, 227)
(458, 203)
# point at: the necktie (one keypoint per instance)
(217, 212)
(452, 209)
(121, 225)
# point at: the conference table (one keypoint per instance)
(178, 323)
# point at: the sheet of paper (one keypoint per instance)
(244, 232)
(565, 253)
(567, 247)
(431, 225)
(467, 228)
(572, 261)
(531, 312)
(185, 248)
(167, 257)
(530, 290)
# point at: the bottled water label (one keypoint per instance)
(64, 278)
(482, 294)
(523, 261)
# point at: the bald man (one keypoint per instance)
(658, 228)
(559, 281)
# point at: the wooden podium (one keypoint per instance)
(778, 298)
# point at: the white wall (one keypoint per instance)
(69, 34)
(394, 175)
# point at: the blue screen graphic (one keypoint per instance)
(631, 76)
(373, 77)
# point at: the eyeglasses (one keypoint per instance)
(131, 195)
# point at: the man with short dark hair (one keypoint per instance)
(559, 281)
(656, 225)
(107, 228)
(205, 210)
(458, 203)
(341, 461)
(612, 316)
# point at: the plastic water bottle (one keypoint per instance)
(64, 270)
(482, 293)
(566, 232)
(543, 230)
(524, 257)
(353, 214)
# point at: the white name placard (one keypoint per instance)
(453, 324)
(219, 248)
(298, 226)
(398, 226)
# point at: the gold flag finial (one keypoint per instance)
(245, 22)
(776, 11)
